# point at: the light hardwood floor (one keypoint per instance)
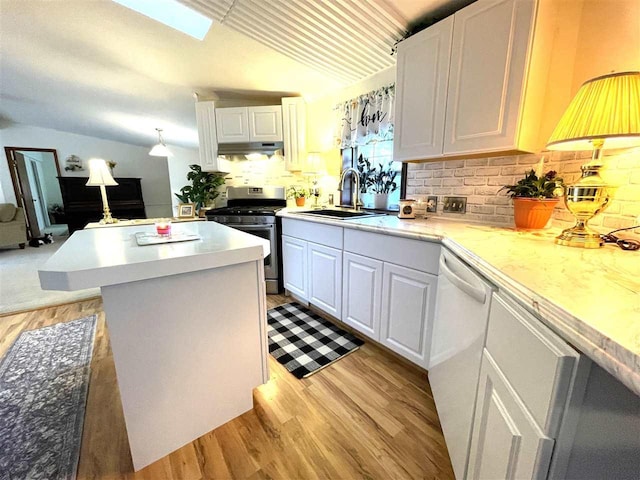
(366, 416)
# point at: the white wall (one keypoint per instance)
(132, 160)
(178, 169)
(609, 39)
(321, 124)
(321, 117)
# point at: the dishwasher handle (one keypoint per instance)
(477, 293)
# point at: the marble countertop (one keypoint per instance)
(109, 256)
(591, 298)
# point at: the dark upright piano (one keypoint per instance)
(83, 204)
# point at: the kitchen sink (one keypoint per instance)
(339, 214)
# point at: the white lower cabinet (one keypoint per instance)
(294, 262)
(506, 442)
(527, 379)
(408, 302)
(325, 278)
(361, 293)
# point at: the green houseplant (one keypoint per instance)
(299, 193)
(534, 198)
(203, 189)
(377, 182)
(56, 212)
(365, 173)
(383, 183)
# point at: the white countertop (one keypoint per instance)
(109, 256)
(591, 298)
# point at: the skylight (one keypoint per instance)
(172, 14)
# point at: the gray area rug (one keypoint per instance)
(19, 283)
(44, 379)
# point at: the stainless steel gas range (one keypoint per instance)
(253, 210)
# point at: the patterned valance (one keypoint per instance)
(365, 119)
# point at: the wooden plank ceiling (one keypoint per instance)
(345, 39)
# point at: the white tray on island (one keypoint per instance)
(143, 238)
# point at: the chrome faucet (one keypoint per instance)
(356, 194)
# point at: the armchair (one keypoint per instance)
(13, 229)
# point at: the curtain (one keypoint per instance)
(365, 119)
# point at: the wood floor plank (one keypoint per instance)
(367, 416)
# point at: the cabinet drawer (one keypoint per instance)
(313, 232)
(416, 254)
(538, 364)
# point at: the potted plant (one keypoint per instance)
(365, 174)
(297, 192)
(56, 212)
(203, 189)
(534, 198)
(383, 183)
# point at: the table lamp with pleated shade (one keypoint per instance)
(605, 113)
(100, 176)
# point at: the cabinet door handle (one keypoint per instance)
(474, 292)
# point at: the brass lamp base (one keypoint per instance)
(579, 236)
(585, 199)
(107, 219)
(106, 213)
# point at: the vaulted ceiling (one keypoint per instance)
(100, 69)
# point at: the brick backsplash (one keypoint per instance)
(480, 180)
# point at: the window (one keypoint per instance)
(379, 155)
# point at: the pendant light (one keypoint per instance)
(160, 149)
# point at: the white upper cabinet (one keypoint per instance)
(487, 76)
(265, 124)
(249, 124)
(423, 72)
(498, 70)
(232, 125)
(294, 120)
(207, 139)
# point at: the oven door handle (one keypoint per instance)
(240, 226)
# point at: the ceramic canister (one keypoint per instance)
(406, 209)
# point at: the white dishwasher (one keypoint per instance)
(459, 331)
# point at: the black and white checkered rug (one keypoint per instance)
(304, 342)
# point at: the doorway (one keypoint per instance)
(34, 173)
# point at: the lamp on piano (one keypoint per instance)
(100, 176)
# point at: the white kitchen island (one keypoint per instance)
(187, 323)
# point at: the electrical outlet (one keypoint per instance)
(455, 204)
(432, 204)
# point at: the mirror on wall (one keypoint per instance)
(34, 173)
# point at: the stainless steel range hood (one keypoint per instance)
(264, 148)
